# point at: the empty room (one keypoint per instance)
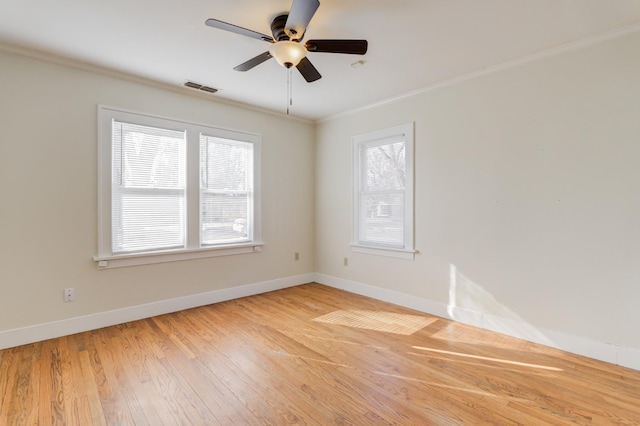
(419, 212)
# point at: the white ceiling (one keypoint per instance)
(412, 43)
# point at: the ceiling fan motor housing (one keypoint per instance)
(277, 27)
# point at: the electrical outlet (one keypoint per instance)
(69, 294)
(296, 256)
(346, 261)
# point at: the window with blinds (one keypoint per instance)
(172, 190)
(226, 186)
(148, 188)
(383, 189)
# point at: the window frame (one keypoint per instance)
(193, 248)
(128, 189)
(387, 136)
(207, 191)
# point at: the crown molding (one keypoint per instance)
(568, 47)
(67, 62)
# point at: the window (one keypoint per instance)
(148, 188)
(226, 176)
(170, 190)
(383, 192)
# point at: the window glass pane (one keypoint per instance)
(383, 222)
(385, 167)
(225, 164)
(226, 190)
(224, 217)
(382, 194)
(149, 157)
(148, 221)
(148, 188)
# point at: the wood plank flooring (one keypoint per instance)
(307, 355)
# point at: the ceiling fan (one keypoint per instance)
(288, 30)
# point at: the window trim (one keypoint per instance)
(105, 258)
(385, 136)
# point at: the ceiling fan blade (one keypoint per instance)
(308, 71)
(299, 17)
(253, 62)
(353, 47)
(238, 30)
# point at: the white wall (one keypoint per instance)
(48, 188)
(527, 196)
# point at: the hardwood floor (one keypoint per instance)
(307, 355)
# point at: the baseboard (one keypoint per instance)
(626, 357)
(614, 354)
(36, 333)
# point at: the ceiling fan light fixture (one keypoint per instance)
(288, 53)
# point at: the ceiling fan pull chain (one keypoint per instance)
(290, 87)
(289, 90)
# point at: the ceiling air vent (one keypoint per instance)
(199, 86)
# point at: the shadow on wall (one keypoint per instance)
(470, 303)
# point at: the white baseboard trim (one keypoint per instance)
(36, 333)
(607, 352)
(626, 357)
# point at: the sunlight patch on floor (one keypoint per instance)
(439, 385)
(484, 358)
(388, 322)
(339, 341)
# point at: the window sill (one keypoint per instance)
(408, 254)
(124, 260)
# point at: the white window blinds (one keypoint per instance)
(148, 188)
(226, 187)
